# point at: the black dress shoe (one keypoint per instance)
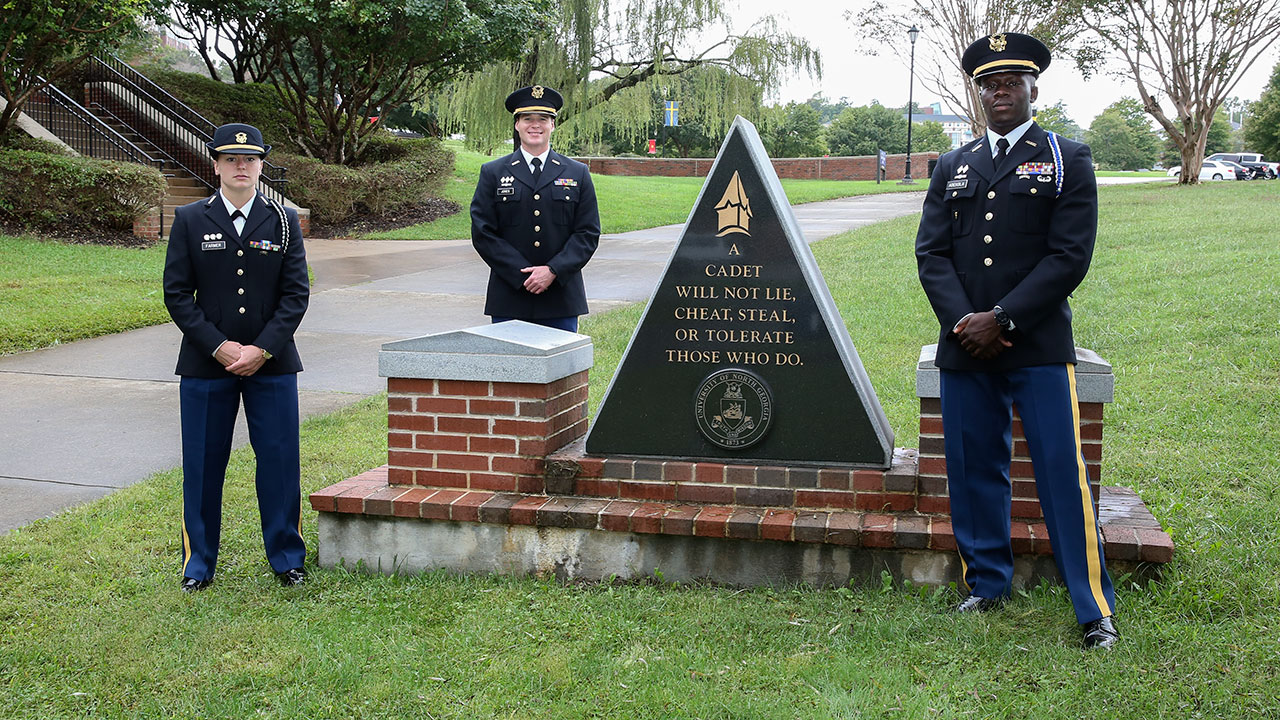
(975, 604)
(291, 578)
(191, 585)
(1100, 633)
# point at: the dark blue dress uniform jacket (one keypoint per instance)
(516, 223)
(992, 238)
(228, 289)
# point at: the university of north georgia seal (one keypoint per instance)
(734, 408)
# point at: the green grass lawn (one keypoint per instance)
(51, 292)
(1131, 173)
(626, 203)
(1187, 310)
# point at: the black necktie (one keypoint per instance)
(537, 168)
(1002, 151)
(237, 215)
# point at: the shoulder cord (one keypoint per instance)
(284, 225)
(1057, 162)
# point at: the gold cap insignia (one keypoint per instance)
(242, 138)
(998, 42)
(537, 91)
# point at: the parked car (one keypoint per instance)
(1253, 161)
(1242, 172)
(1209, 170)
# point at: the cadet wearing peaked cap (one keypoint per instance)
(1006, 234)
(235, 284)
(534, 220)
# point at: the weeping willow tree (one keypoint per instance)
(612, 61)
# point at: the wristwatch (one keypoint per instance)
(1002, 318)
(266, 355)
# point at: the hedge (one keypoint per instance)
(394, 173)
(50, 189)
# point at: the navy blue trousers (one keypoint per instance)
(209, 409)
(977, 420)
(569, 324)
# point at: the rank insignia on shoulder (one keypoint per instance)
(1035, 168)
(957, 184)
(566, 182)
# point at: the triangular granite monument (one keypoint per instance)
(741, 354)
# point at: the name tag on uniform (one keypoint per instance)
(957, 184)
(214, 245)
(506, 191)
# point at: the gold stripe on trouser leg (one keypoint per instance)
(1091, 537)
(186, 546)
(964, 571)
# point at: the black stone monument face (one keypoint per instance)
(741, 355)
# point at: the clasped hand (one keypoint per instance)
(243, 360)
(980, 335)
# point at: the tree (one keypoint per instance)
(794, 131)
(947, 27)
(870, 128)
(229, 33)
(1262, 125)
(1055, 119)
(44, 42)
(827, 110)
(1121, 137)
(1185, 56)
(1219, 137)
(600, 54)
(340, 61)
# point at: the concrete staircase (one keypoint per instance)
(183, 186)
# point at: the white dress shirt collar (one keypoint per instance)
(528, 157)
(1013, 137)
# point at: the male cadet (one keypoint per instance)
(534, 221)
(235, 283)
(1006, 234)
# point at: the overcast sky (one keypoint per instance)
(862, 78)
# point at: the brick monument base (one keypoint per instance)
(487, 473)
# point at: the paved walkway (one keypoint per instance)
(83, 419)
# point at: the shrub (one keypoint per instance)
(396, 172)
(48, 190)
(220, 103)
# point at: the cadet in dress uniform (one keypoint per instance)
(1006, 235)
(235, 283)
(534, 221)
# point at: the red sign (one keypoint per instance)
(653, 146)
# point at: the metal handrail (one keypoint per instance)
(102, 111)
(170, 121)
(88, 135)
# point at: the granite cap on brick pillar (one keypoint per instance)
(1095, 382)
(515, 351)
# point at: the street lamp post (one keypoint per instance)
(913, 33)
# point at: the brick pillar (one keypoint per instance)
(1095, 386)
(480, 408)
(147, 225)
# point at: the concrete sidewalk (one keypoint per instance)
(89, 417)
